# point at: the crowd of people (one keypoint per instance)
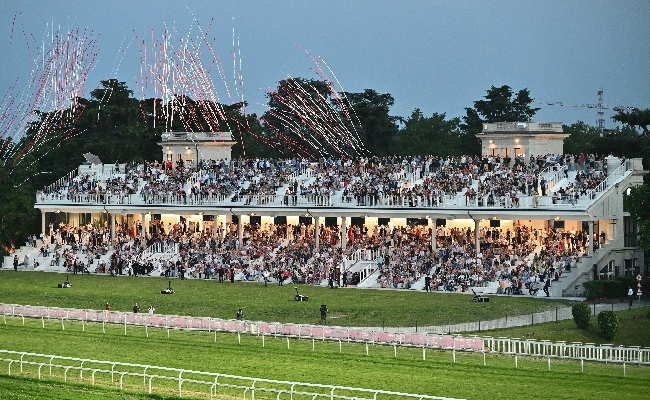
(519, 260)
(408, 181)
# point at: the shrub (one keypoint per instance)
(581, 315)
(608, 324)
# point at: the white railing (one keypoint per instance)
(381, 336)
(614, 176)
(213, 380)
(159, 248)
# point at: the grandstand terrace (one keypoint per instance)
(501, 225)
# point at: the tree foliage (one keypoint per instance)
(498, 105)
(637, 118)
(422, 135)
(638, 203)
(377, 127)
(19, 218)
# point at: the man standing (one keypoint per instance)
(136, 308)
(323, 314)
(630, 295)
(16, 262)
(151, 309)
(427, 283)
(547, 285)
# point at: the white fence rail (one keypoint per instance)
(508, 346)
(212, 380)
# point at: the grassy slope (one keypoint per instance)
(634, 330)
(274, 303)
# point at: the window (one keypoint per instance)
(631, 267)
(607, 272)
(630, 232)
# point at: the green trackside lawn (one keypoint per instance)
(408, 372)
(348, 306)
(634, 330)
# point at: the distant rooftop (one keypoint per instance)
(197, 136)
(548, 127)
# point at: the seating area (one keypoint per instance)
(373, 182)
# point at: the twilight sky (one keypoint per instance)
(438, 56)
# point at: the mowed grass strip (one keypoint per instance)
(194, 297)
(408, 372)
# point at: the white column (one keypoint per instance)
(112, 229)
(214, 226)
(316, 232)
(590, 240)
(240, 229)
(477, 239)
(433, 234)
(43, 222)
(144, 230)
(344, 230)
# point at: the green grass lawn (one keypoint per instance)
(408, 372)
(634, 330)
(348, 307)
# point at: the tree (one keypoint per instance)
(303, 119)
(423, 136)
(636, 118)
(377, 127)
(18, 218)
(638, 203)
(498, 106)
(581, 138)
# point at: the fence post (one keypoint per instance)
(549, 363)
(62, 325)
(366, 348)
(239, 337)
(453, 354)
(395, 350)
(287, 342)
(516, 361)
(340, 346)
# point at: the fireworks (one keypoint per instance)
(313, 117)
(46, 110)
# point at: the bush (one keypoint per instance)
(613, 288)
(581, 315)
(608, 324)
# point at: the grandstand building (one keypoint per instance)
(221, 194)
